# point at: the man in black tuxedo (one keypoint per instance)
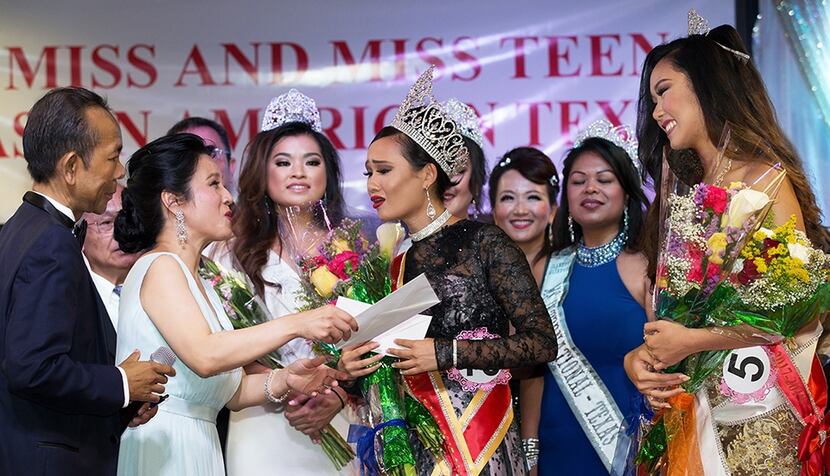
(62, 399)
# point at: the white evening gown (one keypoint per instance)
(260, 440)
(181, 440)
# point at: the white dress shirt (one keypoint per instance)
(68, 212)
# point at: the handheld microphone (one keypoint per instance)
(162, 355)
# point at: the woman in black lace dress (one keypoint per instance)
(483, 281)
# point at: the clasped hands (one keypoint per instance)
(665, 343)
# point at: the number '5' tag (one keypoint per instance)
(748, 374)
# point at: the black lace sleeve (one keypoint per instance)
(511, 283)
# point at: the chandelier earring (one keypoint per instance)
(475, 210)
(431, 213)
(625, 221)
(571, 228)
(181, 228)
(550, 233)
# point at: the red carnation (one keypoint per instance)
(337, 265)
(715, 199)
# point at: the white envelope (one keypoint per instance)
(393, 317)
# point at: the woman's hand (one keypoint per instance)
(311, 376)
(656, 386)
(311, 415)
(417, 356)
(328, 324)
(352, 362)
(668, 342)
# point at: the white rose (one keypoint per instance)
(799, 251)
(742, 206)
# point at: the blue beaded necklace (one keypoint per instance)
(602, 254)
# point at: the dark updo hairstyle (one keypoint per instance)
(535, 166)
(417, 157)
(729, 89)
(255, 219)
(478, 170)
(166, 164)
(622, 168)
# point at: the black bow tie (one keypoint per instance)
(79, 230)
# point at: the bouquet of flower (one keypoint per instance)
(719, 267)
(347, 265)
(245, 309)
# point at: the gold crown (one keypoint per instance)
(425, 121)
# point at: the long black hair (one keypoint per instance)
(623, 168)
(729, 90)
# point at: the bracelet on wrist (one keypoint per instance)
(340, 397)
(269, 394)
(531, 451)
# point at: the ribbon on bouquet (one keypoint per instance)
(810, 401)
(364, 437)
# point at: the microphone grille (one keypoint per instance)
(163, 355)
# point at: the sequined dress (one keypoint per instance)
(483, 280)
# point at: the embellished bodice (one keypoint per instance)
(483, 280)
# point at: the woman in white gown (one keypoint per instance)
(290, 163)
(174, 206)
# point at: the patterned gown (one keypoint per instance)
(483, 280)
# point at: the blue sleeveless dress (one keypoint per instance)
(606, 323)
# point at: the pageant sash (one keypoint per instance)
(586, 393)
(471, 439)
(809, 400)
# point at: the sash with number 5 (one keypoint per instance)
(586, 394)
(471, 437)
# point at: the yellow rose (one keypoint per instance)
(340, 246)
(717, 244)
(389, 236)
(743, 205)
(324, 281)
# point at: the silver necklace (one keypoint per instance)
(602, 254)
(434, 226)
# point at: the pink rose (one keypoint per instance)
(337, 265)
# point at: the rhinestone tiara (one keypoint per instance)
(292, 106)
(622, 136)
(425, 121)
(700, 26)
(466, 118)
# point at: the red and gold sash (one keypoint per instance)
(471, 439)
(809, 399)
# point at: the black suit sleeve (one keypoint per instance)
(43, 319)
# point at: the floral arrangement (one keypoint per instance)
(720, 267)
(347, 265)
(245, 309)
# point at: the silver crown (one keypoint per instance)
(466, 118)
(292, 106)
(425, 121)
(622, 136)
(700, 26)
(697, 24)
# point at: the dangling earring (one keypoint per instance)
(571, 228)
(625, 221)
(475, 210)
(181, 229)
(431, 213)
(550, 233)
